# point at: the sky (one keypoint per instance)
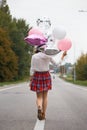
(68, 14)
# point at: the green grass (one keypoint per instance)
(78, 82)
(83, 83)
(13, 82)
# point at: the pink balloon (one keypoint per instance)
(35, 39)
(64, 44)
(35, 31)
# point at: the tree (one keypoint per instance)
(16, 30)
(81, 67)
(8, 59)
(2, 3)
(5, 17)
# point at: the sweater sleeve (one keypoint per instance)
(32, 66)
(55, 63)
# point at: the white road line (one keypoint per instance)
(39, 125)
(15, 86)
(78, 86)
(83, 88)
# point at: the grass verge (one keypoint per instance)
(78, 82)
(14, 82)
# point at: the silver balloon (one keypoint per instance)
(51, 51)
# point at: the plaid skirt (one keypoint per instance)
(41, 82)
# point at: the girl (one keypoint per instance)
(40, 78)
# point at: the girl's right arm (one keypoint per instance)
(58, 63)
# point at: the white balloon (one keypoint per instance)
(59, 33)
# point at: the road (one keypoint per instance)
(67, 107)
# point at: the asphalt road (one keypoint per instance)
(67, 107)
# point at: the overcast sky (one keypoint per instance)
(70, 14)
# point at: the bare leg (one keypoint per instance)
(44, 105)
(39, 100)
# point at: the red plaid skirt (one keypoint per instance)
(41, 82)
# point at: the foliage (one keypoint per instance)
(8, 59)
(17, 34)
(81, 67)
(16, 50)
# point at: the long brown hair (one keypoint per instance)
(38, 49)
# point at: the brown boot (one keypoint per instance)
(39, 116)
(43, 116)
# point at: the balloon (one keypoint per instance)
(64, 44)
(35, 39)
(59, 33)
(35, 31)
(51, 51)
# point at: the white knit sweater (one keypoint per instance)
(40, 62)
